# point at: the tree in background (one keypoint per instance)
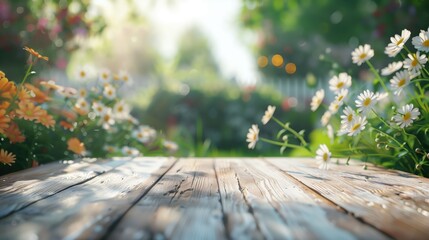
(57, 27)
(300, 31)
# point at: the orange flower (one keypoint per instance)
(40, 97)
(24, 94)
(4, 121)
(7, 91)
(67, 125)
(45, 119)
(74, 145)
(14, 134)
(28, 111)
(69, 115)
(36, 54)
(7, 158)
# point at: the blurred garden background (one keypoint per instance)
(204, 71)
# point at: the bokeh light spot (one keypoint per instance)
(290, 68)
(277, 60)
(262, 61)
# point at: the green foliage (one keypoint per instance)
(302, 30)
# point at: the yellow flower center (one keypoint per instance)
(125, 78)
(340, 97)
(355, 127)
(362, 56)
(414, 62)
(407, 116)
(401, 82)
(340, 85)
(426, 43)
(325, 157)
(83, 104)
(120, 109)
(367, 102)
(400, 41)
(350, 117)
(82, 74)
(105, 76)
(106, 117)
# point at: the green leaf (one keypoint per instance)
(282, 149)
(280, 133)
(403, 153)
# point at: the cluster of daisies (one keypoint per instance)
(73, 113)
(101, 103)
(354, 117)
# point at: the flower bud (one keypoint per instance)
(418, 150)
(418, 166)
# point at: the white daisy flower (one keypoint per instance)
(170, 146)
(121, 110)
(415, 62)
(324, 156)
(399, 81)
(107, 119)
(341, 95)
(348, 116)
(144, 134)
(397, 43)
(68, 92)
(130, 151)
(82, 104)
(83, 73)
(366, 101)
(109, 91)
(334, 106)
(317, 99)
(125, 77)
(357, 125)
(362, 54)
(391, 68)
(99, 108)
(325, 118)
(406, 115)
(268, 114)
(252, 136)
(342, 81)
(105, 75)
(421, 42)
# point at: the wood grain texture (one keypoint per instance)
(393, 202)
(184, 204)
(20, 190)
(304, 214)
(239, 220)
(86, 211)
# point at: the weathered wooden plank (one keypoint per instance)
(184, 204)
(385, 199)
(86, 211)
(239, 220)
(25, 188)
(302, 212)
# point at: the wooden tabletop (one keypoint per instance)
(206, 198)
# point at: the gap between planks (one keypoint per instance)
(327, 200)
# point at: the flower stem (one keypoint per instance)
(377, 75)
(18, 89)
(283, 144)
(296, 134)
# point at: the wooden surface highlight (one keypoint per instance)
(212, 198)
